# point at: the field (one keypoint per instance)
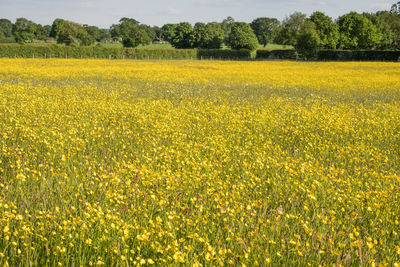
(196, 163)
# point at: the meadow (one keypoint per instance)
(199, 163)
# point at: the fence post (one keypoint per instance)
(109, 57)
(33, 55)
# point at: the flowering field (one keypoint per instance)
(199, 163)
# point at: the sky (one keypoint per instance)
(104, 13)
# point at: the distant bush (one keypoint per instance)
(358, 55)
(59, 51)
(285, 54)
(7, 40)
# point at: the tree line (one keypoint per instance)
(380, 31)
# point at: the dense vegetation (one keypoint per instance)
(378, 31)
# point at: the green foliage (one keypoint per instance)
(358, 55)
(327, 30)
(149, 30)
(226, 25)
(167, 32)
(131, 33)
(290, 29)
(265, 29)
(307, 44)
(288, 54)
(70, 32)
(104, 35)
(160, 53)
(41, 33)
(357, 31)
(93, 32)
(6, 28)
(59, 51)
(183, 36)
(242, 37)
(389, 25)
(55, 28)
(86, 39)
(208, 36)
(24, 30)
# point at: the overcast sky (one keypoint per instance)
(103, 13)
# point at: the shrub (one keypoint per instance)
(276, 54)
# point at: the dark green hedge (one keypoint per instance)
(7, 40)
(58, 51)
(133, 53)
(223, 54)
(276, 54)
(358, 55)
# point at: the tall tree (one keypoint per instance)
(71, 32)
(357, 32)
(392, 21)
(265, 29)
(183, 36)
(131, 33)
(40, 32)
(168, 31)
(209, 36)
(290, 29)
(308, 41)
(242, 36)
(93, 32)
(6, 27)
(327, 30)
(149, 30)
(227, 25)
(55, 27)
(24, 30)
(104, 35)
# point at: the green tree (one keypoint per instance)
(85, 39)
(55, 28)
(93, 32)
(290, 29)
(104, 35)
(183, 36)
(308, 41)
(383, 28)
(40, 32)
(227, 25)
(242, 36)
(327, 30)
(265, 29)
(6, 28)
(70, 32)
(130, 32)
(391, 23)
(357, 32)
(24, 30)
(167, 32)
(149, 30)
(208, 36)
